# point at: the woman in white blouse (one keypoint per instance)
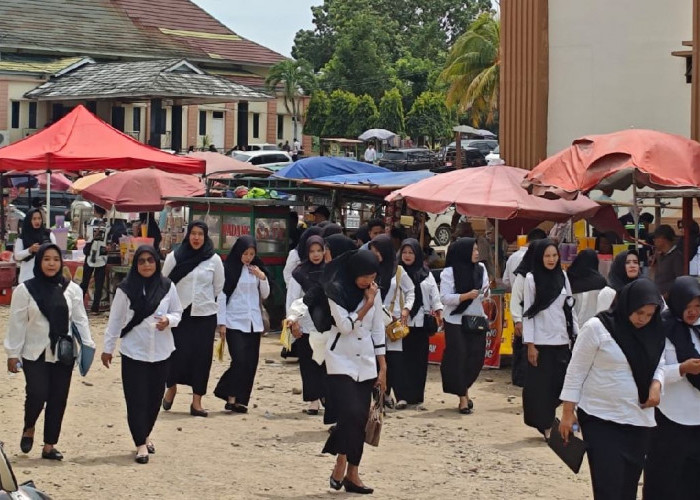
(399, 302)
(427, 303)
(463, 284)
(671, 468)
(241, 323)
(624, 270)
(615, 378)
(198, 274)
(547, 335)
(294, 257)
(586, 284)
(41, 311)
(34, 234)
(145, 308)
(354, 359)
(517, 301)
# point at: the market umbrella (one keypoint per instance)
(376, 133)
(85, 181)
(222, 164)
(59, 182)
(142, 190)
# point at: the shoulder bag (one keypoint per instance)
(396, 330)
(373, 428)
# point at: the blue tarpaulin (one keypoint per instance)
(325, 166)
(380, 179)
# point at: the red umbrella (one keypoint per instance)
(650, 158)
(141, 190)
(59, 182)
(220, 165)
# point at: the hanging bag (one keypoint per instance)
(395, 329)
(373, 428)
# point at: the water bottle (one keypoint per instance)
(19, 369)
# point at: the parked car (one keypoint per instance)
(494, 157)
(60, 202)
(470, 158)
(484, 145)
(400, 160)
(263, 158)
(440, 227)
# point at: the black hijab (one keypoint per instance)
(525, 265)
(548, 283)
(617, 277)
(145, 294)
(301, 245)
(583, 273)
(642, 346)
(331, 229)
(234, 266)
(416, 271)
(47, 292)
(683, 290)
(468, 276)
(186, 257)
(340, 274)
(362, 234)
(30, 235)
(338, 244)
(307, 273)
(387, 267)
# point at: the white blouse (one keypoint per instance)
(26, 269)
(407, 293)
(28, 329)
(681, 400)
(201, 287)
(353, 345)
(144, 342)
(586, 305)
(548, 327)
(450, 298)
(599, 379)
(242, 312)
(431, 301)
(516, 298)
(605, 299)
(293, 261)
(295, 292)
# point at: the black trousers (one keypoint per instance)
(519, 366)
(46, 384)
(615, 456)
(462, 359)
(144, 386)
(190, 363)
(238, 380)
(313, 375)
(543, 384)
(352, 400)
(673, 463)
(416, 347)
(396, 374)
(99, 283)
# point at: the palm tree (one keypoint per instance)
(473, 68)
(296, 79)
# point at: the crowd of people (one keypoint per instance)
(621, 353)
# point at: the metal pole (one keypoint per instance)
(496, 245)
(48, 198)
(635, 213)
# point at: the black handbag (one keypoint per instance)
(65, 350)
(475, 324)
(430, 323)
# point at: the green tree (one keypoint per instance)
(295, 78)
(473, 69)
(429, 117)
(342, 106)
(365, 115)
(391, 116)
(317, 113)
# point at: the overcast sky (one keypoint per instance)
(272, 23)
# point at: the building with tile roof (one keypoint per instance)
(108, 55)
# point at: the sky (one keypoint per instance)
(272, 23)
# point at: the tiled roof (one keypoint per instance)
(41, 65)
(170, 78)
(243, 77)
(125, 28)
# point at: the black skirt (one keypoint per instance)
(190, 364)
(462, 359)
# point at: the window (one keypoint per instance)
(202, 123)
(280, 126)
(218, 115)
(32, 115)
(256, 125)
(136, 124)
(15, 114)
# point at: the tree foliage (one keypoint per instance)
(317, 113)
(429, 117)
(391, 115)
(342, 106)
(364, 116)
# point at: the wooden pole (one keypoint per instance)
(458, 150)
(687, 222)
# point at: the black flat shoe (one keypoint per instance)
(470, 404)
(151, 449)
(198, 413)
(353, 488)
(141, 459)
(26, 444)
(335, 484)
(239, 408)
(466, 410)
(167, 404)
(54, 454)
(311, 411)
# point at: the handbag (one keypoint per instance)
(430, 323)
(65, 350)
(395, 329)
(373, 428)
(475, 324)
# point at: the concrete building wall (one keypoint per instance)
(611, 68)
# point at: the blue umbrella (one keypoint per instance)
(325, 166)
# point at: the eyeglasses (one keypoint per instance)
(147, 260)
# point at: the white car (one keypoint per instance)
(494, 157)
(268, 159)
(440, 227)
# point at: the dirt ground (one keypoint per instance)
(275, 450)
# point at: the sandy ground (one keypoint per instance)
(274, 451)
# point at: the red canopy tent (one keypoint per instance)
(81, 141)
